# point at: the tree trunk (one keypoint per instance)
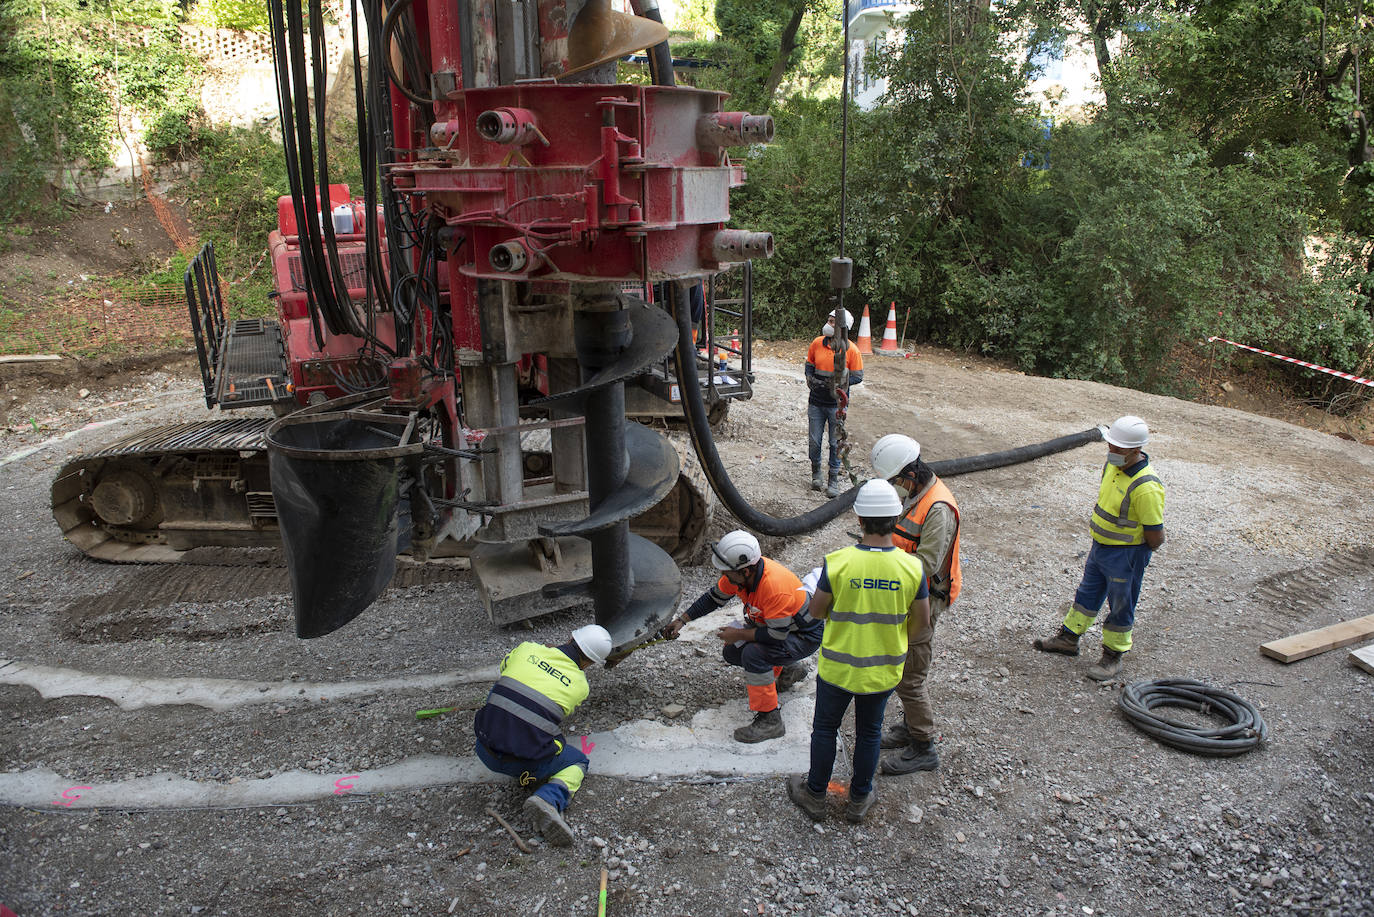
(786, 45)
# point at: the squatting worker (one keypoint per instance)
(929, 528)
(777, 635)
(518, 730)
(832, 366)
(874, 599)
(1127, 527)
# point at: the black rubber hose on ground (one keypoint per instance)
(951, 467)
(699, 429)
(1247, 729)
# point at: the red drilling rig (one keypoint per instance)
(513, 193)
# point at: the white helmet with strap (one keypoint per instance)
(892, 453)
(735, 551)
(1127, 432)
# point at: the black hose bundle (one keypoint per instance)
(1247, 730)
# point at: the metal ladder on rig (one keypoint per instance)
(242, 363)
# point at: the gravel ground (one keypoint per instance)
(1046, 801)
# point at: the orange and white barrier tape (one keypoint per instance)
(1278, 356)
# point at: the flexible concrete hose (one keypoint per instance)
(699, 429)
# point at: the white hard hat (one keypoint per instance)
(1127, 432)
(736, 550)
(594, 641)
(877, 499)
(848, 318)
(892, 453)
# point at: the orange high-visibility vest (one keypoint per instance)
(907, 536)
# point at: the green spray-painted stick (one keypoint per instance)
(601, 910)
(438, 711)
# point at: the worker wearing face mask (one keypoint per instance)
(1127, 527)
(832, 366)
(929, 529)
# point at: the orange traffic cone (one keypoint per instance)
(888, 347)
(865, 340)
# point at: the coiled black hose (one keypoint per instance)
(1247, 729)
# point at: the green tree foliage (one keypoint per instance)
(793, 192)
(1232, 138)
(74, 72)
(768, 45)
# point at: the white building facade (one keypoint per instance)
(1067, 70)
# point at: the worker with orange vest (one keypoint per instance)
(832, 366)
(929, 529)
(777, 634)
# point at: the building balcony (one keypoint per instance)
(869, 16)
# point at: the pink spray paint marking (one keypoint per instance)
(341, 788)
(587, 746)
(68, 800)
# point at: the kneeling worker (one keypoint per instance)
(518, 731)
(778, 636)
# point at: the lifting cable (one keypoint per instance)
(1247, 729)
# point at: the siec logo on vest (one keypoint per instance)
(541, 664)
(891, 585)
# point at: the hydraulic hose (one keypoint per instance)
(951, 467)
(1247, 729)
(699, 430)
(660, 55)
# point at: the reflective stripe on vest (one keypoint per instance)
(865, 642)
(540, 685)
(1111, 523)
(532, 707)
(947, 582)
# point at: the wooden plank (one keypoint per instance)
(30, 358)
(1300, 646)
(1364, 658)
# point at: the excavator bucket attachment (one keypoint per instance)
(337, 484)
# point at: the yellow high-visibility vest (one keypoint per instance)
(864, 647)
(1114, 520)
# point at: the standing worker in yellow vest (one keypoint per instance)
(929, 529)
(519, 733)
(874, 600)
(1127, 527)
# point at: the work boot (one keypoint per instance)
(790, 675)
(1108, 667)
(1064, 642)
(549, 821)
(896, 736)
(767, 725)
(812, 804)
(917, 756)
(817, 479)
(832, 487)
(857, 808)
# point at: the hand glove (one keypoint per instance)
(672, 629)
